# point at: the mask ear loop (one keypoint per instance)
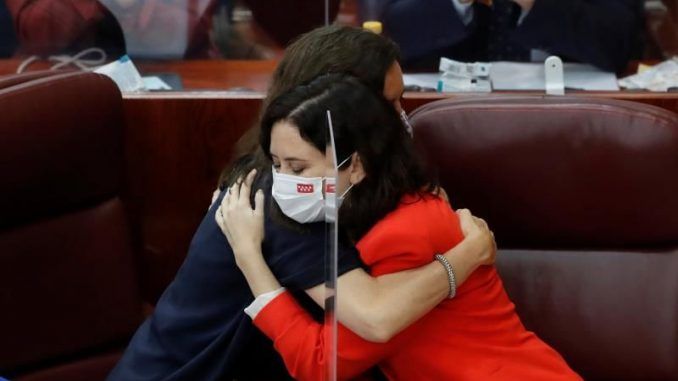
(406, 122)
(346, 191)
(344, 161)
(339, 166)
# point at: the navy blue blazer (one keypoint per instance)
(199, 331)
(604, 33)
(8, 41)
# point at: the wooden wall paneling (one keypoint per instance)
(176, 149)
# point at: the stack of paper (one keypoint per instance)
(660, 77)
(530, 76)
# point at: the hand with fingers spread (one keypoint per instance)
(440, 192)
(244, 230)
(476, 229)
(242, 225)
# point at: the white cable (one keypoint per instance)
(79, 61)
(24, 64)
(85, 64)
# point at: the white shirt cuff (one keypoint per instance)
(262, 301)
(523, 14)
(465, 11)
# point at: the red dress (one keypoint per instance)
(475, 336)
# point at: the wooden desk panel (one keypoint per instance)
(195, 74)
(216, 74)
(175, 150)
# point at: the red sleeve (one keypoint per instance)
(300, 340)
(47, 26)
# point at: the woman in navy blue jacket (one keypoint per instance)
(199, 331)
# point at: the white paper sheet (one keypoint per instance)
(155, 83)
(661, 77)
(530, 76)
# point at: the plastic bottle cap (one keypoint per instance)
(373, 26)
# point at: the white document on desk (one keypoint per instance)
(530, 76)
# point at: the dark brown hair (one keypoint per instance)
(333, 49)
(363, 123)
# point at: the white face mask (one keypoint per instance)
(406, 122)
(299, 198)
(333, 203)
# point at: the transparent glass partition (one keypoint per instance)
(331, 243)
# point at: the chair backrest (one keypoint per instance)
(16, 79)
(582, 195)
(68, 285)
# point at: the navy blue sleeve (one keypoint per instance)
(198, 330)
(8, 41)
(605, 33)
(297, 259)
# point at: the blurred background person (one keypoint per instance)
(7, 36)
(165, 29)
(47, 27)
(161, 29)
(604, 33)
(284, 20)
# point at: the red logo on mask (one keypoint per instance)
(304, 188)
(329, 188)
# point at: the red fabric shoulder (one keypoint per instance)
(420, 227)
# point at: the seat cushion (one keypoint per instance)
(612, 315)
(67, 284)
(94, 368)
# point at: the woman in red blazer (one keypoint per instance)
(391, 209)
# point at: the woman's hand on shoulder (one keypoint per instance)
(242, 225)
(476, 229)
(440, 192)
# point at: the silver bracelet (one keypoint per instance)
(450, 275)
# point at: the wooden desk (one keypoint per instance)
(232, 79)
(195, 74)
(216, 74)
(178, 142)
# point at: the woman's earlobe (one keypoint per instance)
(357, 170)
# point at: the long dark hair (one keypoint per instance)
(333, 49)
(363, 123)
